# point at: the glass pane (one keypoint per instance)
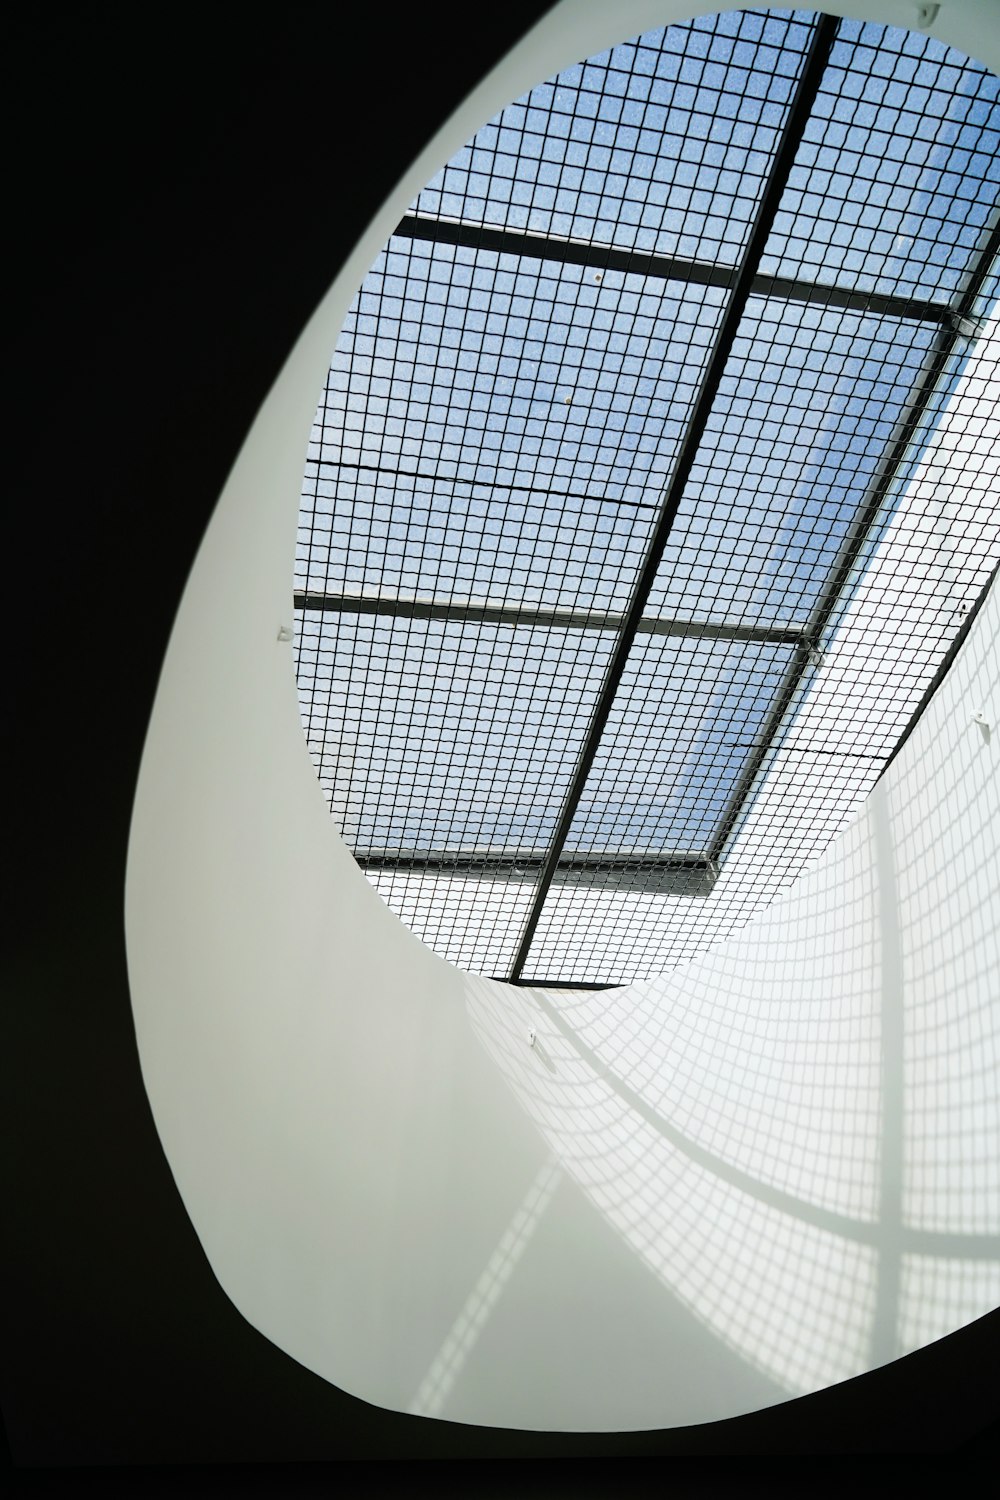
(661, 144)
(615, 936)
(808, 404)
(447, 736)
(414, 540)
(685, 720)
(896, 180)
(465, 364)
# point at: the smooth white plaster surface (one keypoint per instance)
(760, 1174)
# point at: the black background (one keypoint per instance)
(184, 185)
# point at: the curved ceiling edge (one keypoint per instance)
(366, 1190)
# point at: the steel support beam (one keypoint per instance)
(663, 268)
(497, 482)
(796, 119)
(397, 607)
(664, 873)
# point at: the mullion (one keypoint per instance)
(794, 123)
(928, 385)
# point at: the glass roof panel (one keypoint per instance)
(897, 175)
(684, 722)
(808, 403)
(578, 717)
(459, 364)
(661, 144)
(919, 576)
(389, 537)
(473, 922)
(433, 738)
(614, 936)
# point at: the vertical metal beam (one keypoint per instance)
(943, 669)
(798, 115)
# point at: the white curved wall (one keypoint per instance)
(761, 1174)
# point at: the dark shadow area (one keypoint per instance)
(185, 187)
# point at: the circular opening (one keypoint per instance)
(643, 502)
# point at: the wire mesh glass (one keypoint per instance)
(558, 760)
(662, 144)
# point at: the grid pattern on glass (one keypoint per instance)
(620, 934)
(472, 920)
(659, 145)
(807, 406)
(919, 572)
(462, 364)
(685, 718)
(897, 176)
(797, 1297)
(395, 539)
(491, 460)
(922, 572)
(445, 747)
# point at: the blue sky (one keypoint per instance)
(501, 429)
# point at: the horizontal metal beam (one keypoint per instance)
(519, 861)
(603, 258)
(559, 984)
(663, 873)
(395, 606)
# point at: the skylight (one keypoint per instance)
(653, 482)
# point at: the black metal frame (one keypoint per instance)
(399, 607)
(952, 331)
(662, 267)
(681, 873)
(741, 289)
